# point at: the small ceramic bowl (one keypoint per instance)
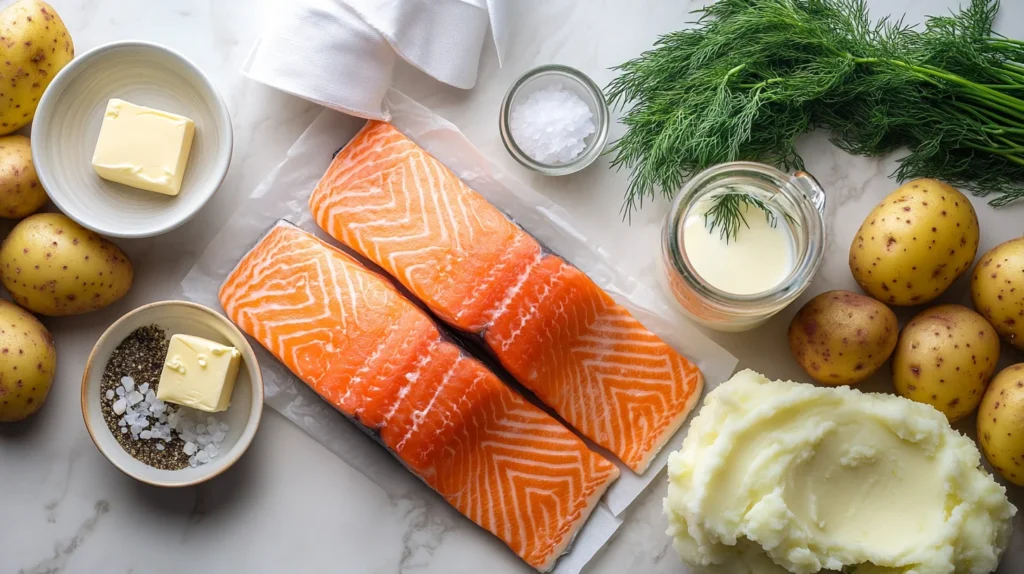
(242, 417)
(569, 79)
(67, 125)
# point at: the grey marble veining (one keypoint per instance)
(289, 505)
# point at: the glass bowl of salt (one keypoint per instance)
(554, 119)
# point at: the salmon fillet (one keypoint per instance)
(556, 331)
(375, 356)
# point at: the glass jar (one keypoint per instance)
(569, 79)
(798, 197)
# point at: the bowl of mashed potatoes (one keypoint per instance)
(778, 476)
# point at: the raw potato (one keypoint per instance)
(997, 290)
(841, 338)
(21, 194)
(27, 363)
(53, 266)
(915, 243)
(945, 358)
(36, 45)
(1001, 424)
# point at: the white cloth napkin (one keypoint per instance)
(341, 53)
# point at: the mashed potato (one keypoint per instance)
(779, 477)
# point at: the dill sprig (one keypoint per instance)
(754, 75)
(728, 213)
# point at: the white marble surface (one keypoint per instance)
(288, 505)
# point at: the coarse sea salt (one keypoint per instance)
(149, 418)
(551, 125)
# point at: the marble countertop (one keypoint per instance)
(289, 505)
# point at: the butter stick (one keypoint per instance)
(143, 147)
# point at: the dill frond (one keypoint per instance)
(752, 76)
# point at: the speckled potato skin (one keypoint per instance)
(841, 338)
(1001, 423)
(997, 290)
(21, 194)
(52, 266)
(35, 45)
(27, 363)
(945, 357)
(915, 243)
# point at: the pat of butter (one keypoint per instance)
(142, 147)
(198, 373)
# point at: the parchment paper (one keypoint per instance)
(284, 194)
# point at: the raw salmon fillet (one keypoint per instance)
(558, 333)
(378, 358)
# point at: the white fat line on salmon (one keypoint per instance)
(417, 415)
(615, 342)
(262, 309)
(411, 379)
(531, 495)
(534, 309)
(336, 286)
(570, 460)
(370, 361)
(512, 291)
(469, 490)
(468, 215)
(266, 266)
(446, 417)
(391, 191)
(340, 189)
(485, 282)
(628, 364)
(298, 350)
(438, 189)
(361, 160)
(268, 263)
(514, 430)
(503, 497)
(596, 420)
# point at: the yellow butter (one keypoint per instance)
(142, 147)
(198, 373)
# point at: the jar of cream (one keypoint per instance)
(735, 278)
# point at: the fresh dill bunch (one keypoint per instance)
(728, 213)
(752, 76)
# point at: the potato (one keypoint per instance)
(915, 243)
(945, 357)
(27, 365)
(997, 290)
(53, 266)
(1001, 424)
(36, 46)
(841, 338)
(21, 193)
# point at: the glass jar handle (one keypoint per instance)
(806, 183)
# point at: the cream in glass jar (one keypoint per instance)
(758, 257)
(734, 278)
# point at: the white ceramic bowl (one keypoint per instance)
(67, 125)
(243, 416)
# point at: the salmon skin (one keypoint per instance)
(379, 359)
(558, 333)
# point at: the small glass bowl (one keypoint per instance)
(570, 79)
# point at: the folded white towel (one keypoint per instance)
(341, 53)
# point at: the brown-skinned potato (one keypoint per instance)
(915, 243)
(997, 290)
(945, 357)
(841, 338)
(27, 363)
(1001, 423)
(52, 266)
